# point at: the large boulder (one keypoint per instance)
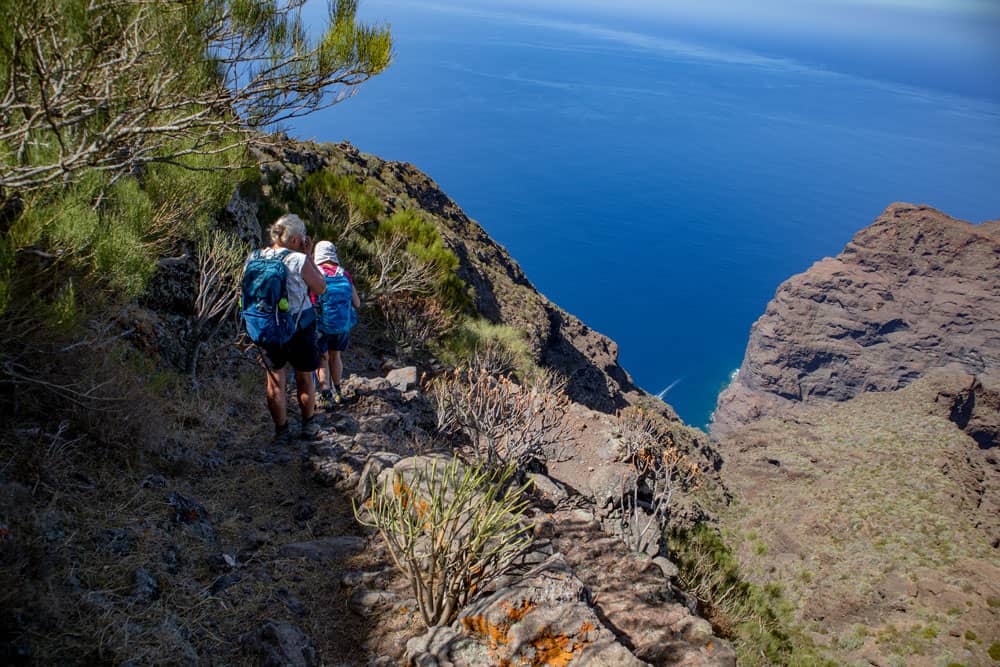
(542, 619)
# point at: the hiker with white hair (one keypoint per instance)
(281, 321)
(336, 314)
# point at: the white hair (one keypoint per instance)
(286, 228)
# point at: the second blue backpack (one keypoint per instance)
(335, 313)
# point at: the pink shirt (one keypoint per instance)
(331, 270)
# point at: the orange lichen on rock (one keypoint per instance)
(495, 635)
(559, 650)
(550, 649)
(516, 612)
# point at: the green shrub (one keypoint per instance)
(201, 191)
(450, 529)
(994, 651)
(970, 635)
(425, 244)
(336, 206)
(757, 619)
(477, 342)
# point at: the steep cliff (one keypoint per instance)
(915, 290)
(859, 442)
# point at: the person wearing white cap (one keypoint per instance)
(336, 314)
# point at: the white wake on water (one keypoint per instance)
(668, 388)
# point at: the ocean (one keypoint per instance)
(659, 177)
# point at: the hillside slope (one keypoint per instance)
(880, 517)
(166, 527)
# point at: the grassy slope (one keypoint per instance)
(861, 511)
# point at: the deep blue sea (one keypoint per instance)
(659, 175)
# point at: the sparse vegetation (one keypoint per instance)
(506, 423)
(657, 469)
(413, 322)
(994, 651)
(499, 349)
(220, 265)
(450, 529)
(756, 618)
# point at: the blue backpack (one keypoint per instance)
(335, 313)
(264, 299)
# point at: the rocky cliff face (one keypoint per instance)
(914, 291)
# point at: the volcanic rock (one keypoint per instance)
(914, 291)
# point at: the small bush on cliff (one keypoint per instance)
(337, 206)
(450, 529)
(657, 467)
(498, 348)
(413, 321)
(424, 244)
(506, 423)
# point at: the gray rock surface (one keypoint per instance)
(279, 644)
(376, 463)
(328, 548)
(547, 487)
(403, 379)
(916, 290)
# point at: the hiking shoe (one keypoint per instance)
(310, 429)
(325, 401)
(337, 400)
(282, 435)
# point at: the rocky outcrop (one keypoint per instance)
(914, 291)
(503, 294)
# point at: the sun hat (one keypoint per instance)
(325, 252)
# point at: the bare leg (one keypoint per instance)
(323, 372)
(336, 367)
(307, 393)
(276, 403)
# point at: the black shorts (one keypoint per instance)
(301, 352)
(333, 342)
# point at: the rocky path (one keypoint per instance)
(249, 553)
(578, 597)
